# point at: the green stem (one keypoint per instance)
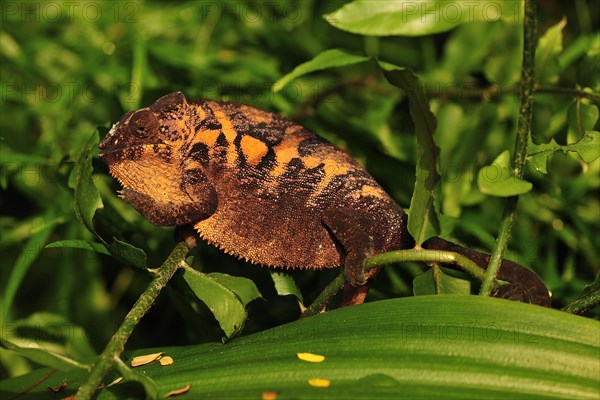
(426, 256)
(117, 343)
(584, 304)
(392, 257)
(520, 152)
(325, 296)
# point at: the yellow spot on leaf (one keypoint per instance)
(165, 360)
(319, 382)
(253, 149)
(178, 392)
(271, 395)
(147, 359)
(310, 357)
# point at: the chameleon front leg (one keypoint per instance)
(357, 246)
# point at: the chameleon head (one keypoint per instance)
(142, 149)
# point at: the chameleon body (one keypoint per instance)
(256, 185)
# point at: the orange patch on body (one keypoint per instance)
(288, 150)
(230, 134)
(332, 169)
(208, 137)
(253, 149)
(374, 191)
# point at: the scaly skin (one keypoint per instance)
(256, 185)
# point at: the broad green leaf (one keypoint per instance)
(328, 59)
(423, 220)
(499, 180)
(52, 333)
(439, 282)
(87, 198)
(419, 17)
(244, 288)
(547, 54)
(423, 347)
(136, 375)
(79, 244)
(225, 305)
(130, 254)
(285, 285)
(588, 149)
(44, 357)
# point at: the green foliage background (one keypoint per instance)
(63, 74)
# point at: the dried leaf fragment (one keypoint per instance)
(166, 360)
(115, 382)
(319, 382)
(310, 357)
(147, 359)
(178, 392)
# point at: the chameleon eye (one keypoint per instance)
(143, 124)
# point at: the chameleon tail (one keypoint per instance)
(524, 285)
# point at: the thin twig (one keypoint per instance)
(583, 305)
(116, 344)
(520, 152)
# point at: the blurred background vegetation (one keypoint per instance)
(69, 67)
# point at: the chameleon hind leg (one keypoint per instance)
(357, 246)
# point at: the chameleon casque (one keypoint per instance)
(265, 189)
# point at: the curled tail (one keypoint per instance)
(524, 285)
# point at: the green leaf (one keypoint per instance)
(499, 180)
(442, 347)
(48, 339)
(225, 305)
(130, 254)
(137, 376)
(547, 66)
(79, 244)
(87, 198)
(44, 357)
(440, 282)
(285, 285)
(423, 220)
(418, 18)
(328, 59)
(244, 288)
(588, 149)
